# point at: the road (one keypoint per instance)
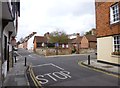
(65, 71)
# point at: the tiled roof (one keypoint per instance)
(76, 40)
(72, 40)
(91, 38)
(40, 39)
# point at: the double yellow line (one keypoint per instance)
(32, 75)
(80, 63)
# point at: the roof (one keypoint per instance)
(76, 40)
(91, 38)
(71, 40)
(40, 39)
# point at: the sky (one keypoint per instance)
(41, 16)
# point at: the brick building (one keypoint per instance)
(39, 42)
(108, 32)
(89, 42)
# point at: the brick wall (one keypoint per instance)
(84, 42)
(93, 45)
(34, 48)
(104, 28)
(52, 51)
(25, 45)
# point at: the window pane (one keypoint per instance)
(115, 13)
(115, 38)
(113, 8)
(117, 43)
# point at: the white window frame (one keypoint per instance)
(116, 43)
(114, 13)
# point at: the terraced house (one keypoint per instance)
(108, 32)
(9, 13)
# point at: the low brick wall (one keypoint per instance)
(52, 51)
(84, 51)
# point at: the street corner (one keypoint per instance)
(32, 81)
(98, 68)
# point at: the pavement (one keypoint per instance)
(115, 70)
(17, 75)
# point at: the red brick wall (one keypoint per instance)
(35, 45)
(93, 45)
(25, 45)
(104, 28)
(84, 43)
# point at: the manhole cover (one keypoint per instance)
(107, 66)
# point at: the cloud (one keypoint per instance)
(73, 7)
(43, 16)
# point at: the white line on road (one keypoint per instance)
(57, 66)
(49, 64)
(30, 56)
(19, 54)
(42, 65)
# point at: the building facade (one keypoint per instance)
(108, 32)
(9, 13)
(89, 42)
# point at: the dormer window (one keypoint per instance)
(114, 13)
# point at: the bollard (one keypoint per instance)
(25, 61)
(88, 59)
(15, 59)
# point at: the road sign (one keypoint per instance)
(56, 44)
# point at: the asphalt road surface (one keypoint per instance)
(65, 71)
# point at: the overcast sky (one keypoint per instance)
(41, 16)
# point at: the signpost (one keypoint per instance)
(57, 45)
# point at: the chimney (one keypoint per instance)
(47, 35)
(78, 35)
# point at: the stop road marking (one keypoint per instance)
(54, 76)
(60, 74)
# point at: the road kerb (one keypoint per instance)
(65, 55)
(97, 69)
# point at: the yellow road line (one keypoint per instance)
(80, 63)
(35, 78)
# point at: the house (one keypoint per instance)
(23, 42)
(89, 42)
(8, 31)
(43, 46)
(76, 43)
(39, 42)
(108, 32)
